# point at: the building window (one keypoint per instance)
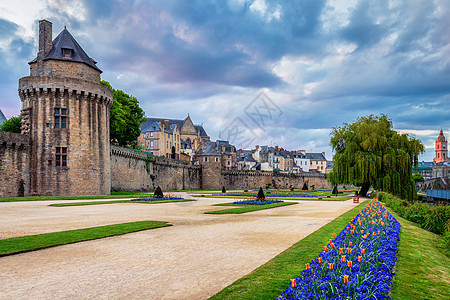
(67, 53)
(217, 159)
(60, 117)
(151, 134)
(151, 144)
(61, 156)
(206, 159)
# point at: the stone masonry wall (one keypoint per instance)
(136, 171)
(14, 164)
(255, 180)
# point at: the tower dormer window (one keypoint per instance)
(67, 53)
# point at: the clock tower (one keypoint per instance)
(441, 150)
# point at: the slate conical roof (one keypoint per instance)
(66, 41)
(2, 117)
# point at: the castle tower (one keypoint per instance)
(65, 112)
(441, 149)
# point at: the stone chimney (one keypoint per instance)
(45, 38)
(167, 124)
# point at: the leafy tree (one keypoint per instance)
(11, 125)
(125, 118)
(370, 153)
(335, 190)
(418, 178)
(224, 191)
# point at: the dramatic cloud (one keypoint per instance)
(322, 62)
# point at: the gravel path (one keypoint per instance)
(194, 259)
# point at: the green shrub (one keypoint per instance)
(446, 238)
(417, 213)
(437, 219)
(245, 191)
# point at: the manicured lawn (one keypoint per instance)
(117, 201)
(48, 198)
(423, 269)
(269, 280)
(45, 240)
(246, 208)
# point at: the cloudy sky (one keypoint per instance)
(255, 71)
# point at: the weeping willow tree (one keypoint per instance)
(370, 153)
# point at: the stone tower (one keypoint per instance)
(65, 112)
(209, 159)
(441, 149)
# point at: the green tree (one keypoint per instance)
(11, 125)
(125, 118)
(370, 153)
(418, 178)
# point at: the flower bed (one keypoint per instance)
(168, 197)
(256, 202)
(357, 264)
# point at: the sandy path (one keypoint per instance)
(194, 259)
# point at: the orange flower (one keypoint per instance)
(349, 263)
(343, 258)
(373, 233)
(293, 283)
(334, 234)
(351, 244)
(359, 258)
(363, 250)
(382, 223)
(330, 241)
(341, 251)
(362, 231)
(325, 248)
(378, 232)
(332, 245)
(319, 259)
(330, 266)
(349, 250)
(346, 278)
(352, 231)
(307, 266)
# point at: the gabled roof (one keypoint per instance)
(316, 156)
(441, 137)
(2, 117)
(207, 150)
(152, 127)
(246, 158)
(66, 41)
(177, 122)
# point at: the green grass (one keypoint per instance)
(113, 195)
(423, 269)
(117, 201)
(246, 208)
(45, 240)
(269, 280)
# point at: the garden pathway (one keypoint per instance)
(194, 259)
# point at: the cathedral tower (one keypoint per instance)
(441, 149)
(65, 112)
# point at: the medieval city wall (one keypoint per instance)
(14, 164)
(136, 171)
(255, 180)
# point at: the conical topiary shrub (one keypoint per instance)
(261, 195)
(335, 190)
(224, 191)
(158, 193)
(305, 186)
